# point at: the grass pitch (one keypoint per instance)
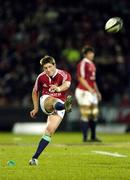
(66, 158)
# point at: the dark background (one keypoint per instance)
(31, 29)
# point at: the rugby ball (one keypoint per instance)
(114, 25)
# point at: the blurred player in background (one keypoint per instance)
(87, 93)
(53, 83)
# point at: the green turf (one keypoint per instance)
(66, 158)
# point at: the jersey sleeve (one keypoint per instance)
(82, 69)
(67, 77)
(37, 85)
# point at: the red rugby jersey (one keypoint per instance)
(43, 83)
(87, 70)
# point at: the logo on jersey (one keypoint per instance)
(44, 85)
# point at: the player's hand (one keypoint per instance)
(33, 113)
(53, 88)
(92, 91)
(99, 96)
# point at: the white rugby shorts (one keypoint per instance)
(61, 113)
(85, 98)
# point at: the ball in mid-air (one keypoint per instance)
(114, 24)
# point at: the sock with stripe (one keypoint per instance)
(42, 145)
(84, 127)
(92, 125)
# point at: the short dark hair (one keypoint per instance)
(87, 49)
(47, 59)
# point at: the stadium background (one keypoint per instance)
(31, 29)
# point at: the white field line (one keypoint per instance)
(110, 154)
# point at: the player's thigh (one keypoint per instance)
(48, 103)
(85, 110)
(95, 110)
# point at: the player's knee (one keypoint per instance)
(95, 112)
(84, 118)
(50, 130)
(85, 114)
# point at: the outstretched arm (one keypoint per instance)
(35, 99)
(97, 91)
(60, 88)
(85, 84)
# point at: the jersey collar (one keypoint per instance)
(55, 73)
(87, 60)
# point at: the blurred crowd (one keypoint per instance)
(31, 29)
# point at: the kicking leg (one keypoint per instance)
(52, 104)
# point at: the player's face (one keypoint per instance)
(90, 55)
(49, 69)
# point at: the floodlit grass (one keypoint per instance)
(66, 158)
